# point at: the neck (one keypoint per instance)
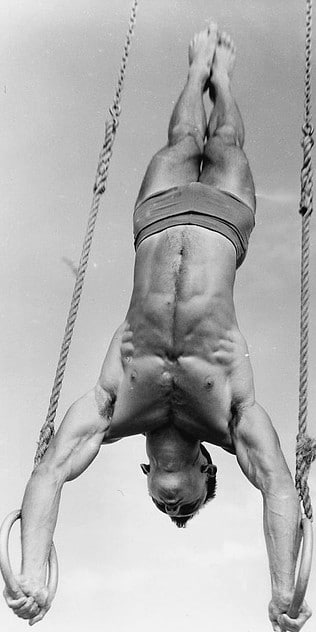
(170, 450)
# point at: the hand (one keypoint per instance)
(281, 622)
(33, 602)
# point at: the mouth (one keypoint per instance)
(178, 510)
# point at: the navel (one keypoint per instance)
(166, 378)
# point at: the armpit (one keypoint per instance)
(242, 388)
(238, 406)
(105, 401)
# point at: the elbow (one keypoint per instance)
(273, 478)
(280, 486)
(50, 473)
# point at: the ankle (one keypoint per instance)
(220, 79)
(198, 73)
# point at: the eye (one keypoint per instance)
(189, 508)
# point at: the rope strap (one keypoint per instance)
(305, 447)
(111, 125)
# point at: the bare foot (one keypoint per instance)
(202, 49)
(224, 59)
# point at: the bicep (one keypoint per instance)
(258, 449)
(79, 437)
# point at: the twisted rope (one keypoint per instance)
(305, 446)
(111, 125)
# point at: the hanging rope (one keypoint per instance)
(305, 446)
(111, 125)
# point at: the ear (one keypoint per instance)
(209, 469)
(145, 468)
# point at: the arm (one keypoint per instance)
(261, 459)
(70, 452)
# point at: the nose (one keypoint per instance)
(169, 494)
(170, 498)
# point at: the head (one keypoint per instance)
(182, 493)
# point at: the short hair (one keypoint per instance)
(181, 521)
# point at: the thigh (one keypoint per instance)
(226, 167)
(174, 165)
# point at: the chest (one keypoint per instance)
(193, 396)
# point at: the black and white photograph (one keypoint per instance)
(158, 316)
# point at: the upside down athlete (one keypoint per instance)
(178, 368)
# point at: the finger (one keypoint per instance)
(287, 624)
(27, 610)
(9, 594)
(305, 612)
(24, 614)
(15, 603)
(294, 625)
(27, 615)
(40, 597)
(24, 607)
(38, 617)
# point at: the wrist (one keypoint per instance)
(282, 599)
(33, 576)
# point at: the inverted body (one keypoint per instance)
(178, 369)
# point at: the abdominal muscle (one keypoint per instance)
(181, 339)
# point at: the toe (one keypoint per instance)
(225, 38)
(212, 28)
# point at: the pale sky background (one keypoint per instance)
(123, 564)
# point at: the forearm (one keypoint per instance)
(282, 534)
(39, 516)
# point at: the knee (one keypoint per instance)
(225, 150)
(184, 133)
(230, 136)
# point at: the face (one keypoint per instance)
(177, 493)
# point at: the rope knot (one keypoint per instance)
(308, 130)
(306, 449)
(115, 112)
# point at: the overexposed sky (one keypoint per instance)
(123, 564)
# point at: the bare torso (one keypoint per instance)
(183, 360)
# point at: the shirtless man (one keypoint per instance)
(178, 368)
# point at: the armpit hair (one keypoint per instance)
(105, 401)
(236, 410)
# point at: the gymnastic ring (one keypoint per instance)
(5, 565)
(304, 569)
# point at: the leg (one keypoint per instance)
(224, 163)
(179, 162)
